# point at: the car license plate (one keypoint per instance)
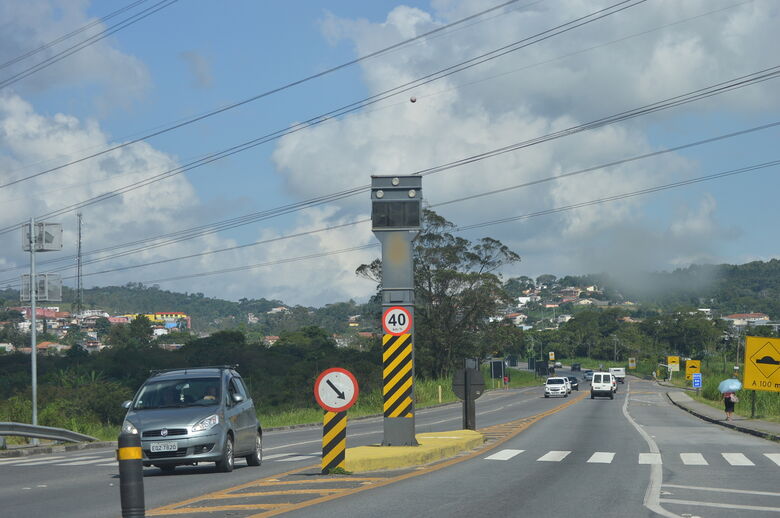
(157, 447)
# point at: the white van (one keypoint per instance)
(619, 373)
(601, 385)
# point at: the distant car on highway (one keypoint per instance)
(588, 376)
(619, 373)
(575, 385)
(556, 386)
(193, 415)
(558, 365)
(602, 385)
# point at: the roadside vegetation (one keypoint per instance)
(459, 293)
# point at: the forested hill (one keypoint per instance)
(725, 288)
(208, 314)
(750, 287)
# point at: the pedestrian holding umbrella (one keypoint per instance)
(728, 388)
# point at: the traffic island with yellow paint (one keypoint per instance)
(432, 447)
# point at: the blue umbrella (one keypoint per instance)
(729, 385)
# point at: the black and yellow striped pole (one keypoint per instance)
(131, 475)
(334, 441)
(397, 375)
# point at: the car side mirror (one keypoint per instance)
(237, 398)
(127, 404)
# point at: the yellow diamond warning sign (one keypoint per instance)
(762, 364)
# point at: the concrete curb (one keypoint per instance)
(433, 446)
(55, 448)
(727, 424)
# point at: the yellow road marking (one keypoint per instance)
(512, 428)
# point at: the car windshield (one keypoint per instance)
(178, 393)
(555, 381)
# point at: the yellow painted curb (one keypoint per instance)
(433, 446)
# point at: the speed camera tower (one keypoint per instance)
(396, 213)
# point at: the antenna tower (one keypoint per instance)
(79, 286)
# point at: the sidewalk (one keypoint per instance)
(757, 427)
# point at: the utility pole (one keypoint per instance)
(79, 286)
(40, 237)
(33, 241)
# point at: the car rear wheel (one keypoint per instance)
(592, 395)
(225, 464)
(612, 396)
(546, 395)
(256, 458)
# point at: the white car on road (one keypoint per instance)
(557, 387)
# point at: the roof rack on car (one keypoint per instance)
(185, 369)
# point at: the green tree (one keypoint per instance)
(102, 327)
(457, 290)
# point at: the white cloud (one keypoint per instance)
(29, 24)
(544, 88)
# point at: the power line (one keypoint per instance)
(341, 111)
(458, 200)
(235, 222)
(70, 34)
(617, 197)
(243, 220)
(86, 43)
(267, 93)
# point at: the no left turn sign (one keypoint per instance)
(397, 320)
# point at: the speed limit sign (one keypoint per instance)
(397, 320)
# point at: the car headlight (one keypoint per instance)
(206, 424)
(127, 427)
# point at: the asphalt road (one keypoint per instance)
(636, 455)
(85, 483)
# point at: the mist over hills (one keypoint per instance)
(724, 288)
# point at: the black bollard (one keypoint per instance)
(131, 475)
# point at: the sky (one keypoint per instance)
(191, 58)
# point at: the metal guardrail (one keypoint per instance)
(43, 432)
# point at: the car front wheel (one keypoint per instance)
(225, 464)
(256, 458)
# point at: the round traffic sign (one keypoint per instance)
(397, 320)
(336, 389)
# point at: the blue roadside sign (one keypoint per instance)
(696, 380)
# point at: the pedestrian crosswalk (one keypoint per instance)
(735, 459)
(101, 460)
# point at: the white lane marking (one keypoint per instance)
(296, 458)
(602, 457)
(737, 459)
(82, 462)
(693, 459)
(721, 505)
(377, 432)
(653, 492)
(650, 458)
(54, 460)
(109, 464)
(553, 456)
(724, 490)
(276, 456)
(774, 457)
(28, 459)
(504, 455)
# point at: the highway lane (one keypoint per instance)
(637, 455)
(708, 470)
(85, 483)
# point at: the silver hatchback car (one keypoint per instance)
(188, 416)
